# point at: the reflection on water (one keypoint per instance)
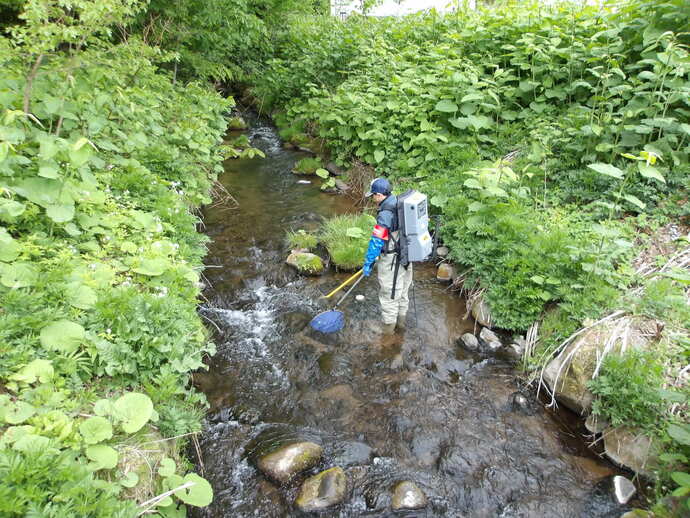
(411, 406)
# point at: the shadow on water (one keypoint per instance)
(411, 406)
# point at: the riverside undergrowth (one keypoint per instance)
(103, 163)
(551, 141)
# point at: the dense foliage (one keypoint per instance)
(103, 161)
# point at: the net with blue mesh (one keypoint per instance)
(328, 321)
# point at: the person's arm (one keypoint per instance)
(378, 239)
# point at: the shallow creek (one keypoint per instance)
(414, 406)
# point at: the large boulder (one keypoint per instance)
(305, 263)
(323, 490)
(286, 462)
(407, 495)
(481, 312)
(568, 374)
(632, 449)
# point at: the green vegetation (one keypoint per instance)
(346, 238)
(302, 240)
(307, 166)
(103, 161)
(309, 264)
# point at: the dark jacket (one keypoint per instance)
(387, 215)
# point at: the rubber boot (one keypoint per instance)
(388, 329)
(402, 321)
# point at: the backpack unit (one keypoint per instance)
(414, 242)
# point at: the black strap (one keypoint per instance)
(396, 261)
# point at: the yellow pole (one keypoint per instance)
(348, 281)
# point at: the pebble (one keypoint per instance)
(470, 341)
(359, 298)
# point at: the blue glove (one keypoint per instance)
(373, 251)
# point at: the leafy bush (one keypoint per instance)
(308, 165)
(627, 390)
(346, 238)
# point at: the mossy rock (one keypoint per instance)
(236, 123)
(323, 490)
(346, 238)
(305, 263)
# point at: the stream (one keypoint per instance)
(412, 406)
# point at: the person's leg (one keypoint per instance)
(404, 281)
(389, 307)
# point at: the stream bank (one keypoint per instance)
(414, 406)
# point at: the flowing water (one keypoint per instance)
(413, 406)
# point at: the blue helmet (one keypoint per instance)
(379, 186)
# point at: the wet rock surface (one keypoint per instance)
(432, 412)
(283, 464)
(322, 491)
(623, 489)
(407, 495)
(445, 272)
(470, 341)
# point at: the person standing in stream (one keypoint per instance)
(394, 279)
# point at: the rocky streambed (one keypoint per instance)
(358, 423)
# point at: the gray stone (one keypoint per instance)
(332, 168)
(491, 341)
(514, 352)
(481, 312)
(305, 263)
(323, 490)
(631, 448)
(407, 495)
(442, 251)
(470, 341)
(287, 461)
(520, 402)
(596, 424)
(341, 186)
(445, 272)
(623, 489)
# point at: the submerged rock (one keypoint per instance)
(445, 272)
(341, 186)
(520, 402)
(305, 263)
(286, 462)
(407, 495)
(353, 453)
(322, 490)
(470, 341)
(481, 312)
(630, 448)
(623, 489)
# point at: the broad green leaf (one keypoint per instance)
(131, 479)
(104, 407)
(60, 213)
(31, 443)
(606, 169)
(79, 153)
(321, 173)
(680, 433)
(49, 170)
(41, 191)
(472, 97)
(9, 248)
(439, 200)
(460, 122)
(446, 106)
(104, 457)
(18, 275)
(199, 495)
(635, 201)
(39, 369)
(152, 267)
(10, 210)
(167, 467)
(496, 191)
(63, 336)
(680, 478)
(95, 430)
(538, 279)
(649, 171)
(379, 155)
(134, 411)
(475, 206)
(80, 296)
(472, 183)
(18, 412)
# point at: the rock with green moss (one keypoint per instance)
(323, 490)
(236, 123)
(289, 460)
(305, 263)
